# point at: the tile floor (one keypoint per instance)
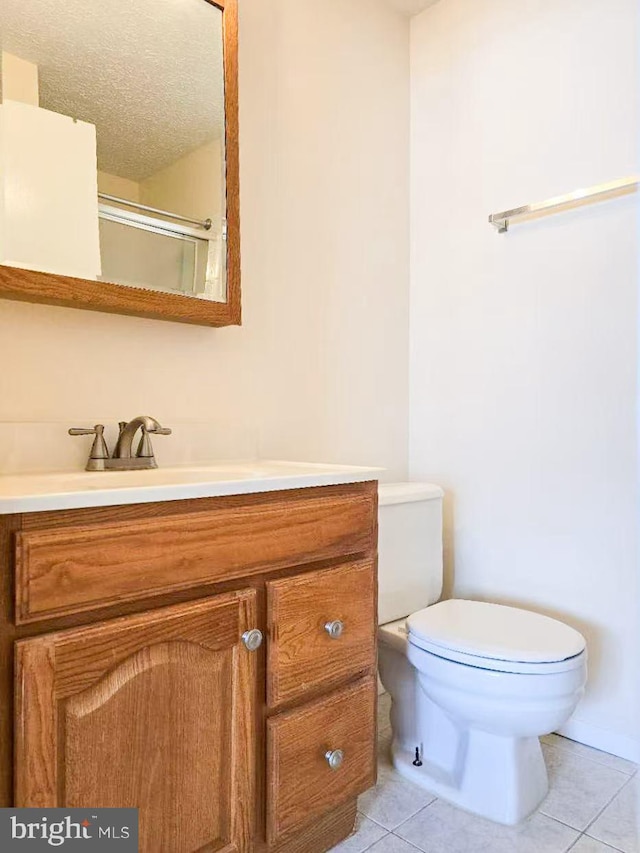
(590, 808)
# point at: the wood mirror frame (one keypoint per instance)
(53, 289)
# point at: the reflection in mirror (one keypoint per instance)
(112, 142)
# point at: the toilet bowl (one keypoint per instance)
(475, 719)
(473, 684)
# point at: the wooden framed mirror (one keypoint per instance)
(119, 173)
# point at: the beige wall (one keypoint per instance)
(19, 80)
(48, 192)
(318, 370)
(192, 186)
(120, 187)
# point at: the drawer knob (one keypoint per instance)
(334, 757)
(334, 629)
(252, 639)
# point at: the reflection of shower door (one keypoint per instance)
(143, 251)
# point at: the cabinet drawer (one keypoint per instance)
(301, 784)
(302, 654)
(82, 567)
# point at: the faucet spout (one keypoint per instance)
(123, 449)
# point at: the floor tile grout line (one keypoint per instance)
(557, 820)
(402, 822)
(570, 752)
(573, 843)
(373, 820)
(420, 810)
(573, 754)
(538, 811)
(593, 819)
(605, 807)
(410, 843)
(604, 844)
(353, 834)
(581, 834)
(386, 828)
(382, 837)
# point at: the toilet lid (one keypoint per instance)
(494, 631)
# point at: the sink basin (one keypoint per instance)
(154, 476)
(77, 489)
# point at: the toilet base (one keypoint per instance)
(502, 779)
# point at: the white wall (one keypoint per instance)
(319, 369)
(523, 346)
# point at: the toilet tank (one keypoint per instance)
(409, 548)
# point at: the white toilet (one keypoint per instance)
(473, 685)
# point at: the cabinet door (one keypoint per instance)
(155, 711)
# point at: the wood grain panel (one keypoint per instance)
(84, 655)
(70, 570)
(301, 654)
(9, 524)
(170, 728)
(161, 509)
(26, 285)
(247, 759)
(300, 784)
(232, 160)
(322, 834)
(138, 761)
(36, 758)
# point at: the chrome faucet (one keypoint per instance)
(123, 458)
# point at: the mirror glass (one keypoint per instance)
(112, 142)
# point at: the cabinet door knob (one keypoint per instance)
(334, 629)
(252, 639)
(334, 757)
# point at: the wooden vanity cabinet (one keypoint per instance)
(125, 680)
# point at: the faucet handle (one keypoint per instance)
(145, 449)
(99, 449)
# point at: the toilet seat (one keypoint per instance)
(496, 637)
(518, 667)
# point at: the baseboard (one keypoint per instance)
(603, 739)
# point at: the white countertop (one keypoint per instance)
(77, 489)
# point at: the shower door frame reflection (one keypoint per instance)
(214, 285)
